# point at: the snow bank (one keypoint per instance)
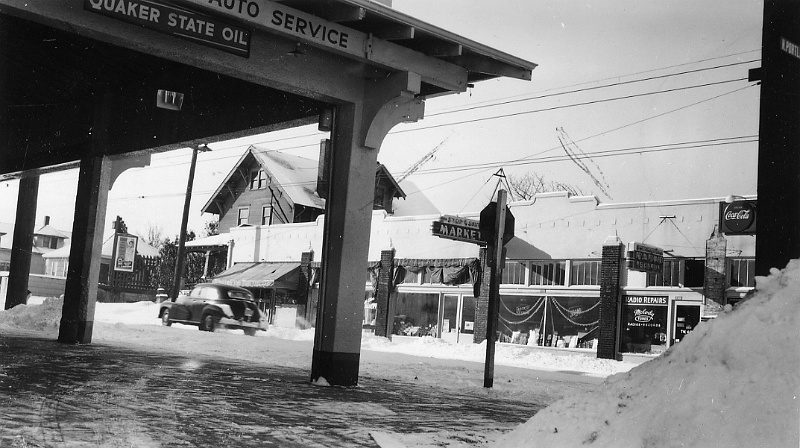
(733, 381)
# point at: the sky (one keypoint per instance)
(728, 383)
(631, 101)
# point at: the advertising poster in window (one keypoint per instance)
(644, 324)
(124, 252)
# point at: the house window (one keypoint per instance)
(244, 216)
(741, 272)
(548, 273)
(258, 180)
(585, 272)
(266, 215)
(514, 273)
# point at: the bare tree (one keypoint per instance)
(155, 236)
(526, 186)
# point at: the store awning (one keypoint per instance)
(261, 275)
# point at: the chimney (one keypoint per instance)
(47, 220)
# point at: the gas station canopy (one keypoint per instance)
(81, 77)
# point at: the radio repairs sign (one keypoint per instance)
(646, 258)
(176, 21)
(124, 251)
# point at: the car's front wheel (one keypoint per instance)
(165, 318)
(208, 323)
(250, 331)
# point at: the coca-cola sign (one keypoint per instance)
(738, 217)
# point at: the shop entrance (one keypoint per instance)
(685, 317)
(457, 319)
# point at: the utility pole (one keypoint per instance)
(179, 261)
(494, 253)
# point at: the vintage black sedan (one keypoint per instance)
(211, 306)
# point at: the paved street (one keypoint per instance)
(53, 395)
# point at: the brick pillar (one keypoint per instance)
(384, 317)
(714, 285)
(303, 288)
(610, 270)
(482, 300)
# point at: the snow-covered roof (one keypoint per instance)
(48, 230)
(296, 176)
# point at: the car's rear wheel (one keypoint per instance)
(165, 318)
(250, 331)
(209, 322)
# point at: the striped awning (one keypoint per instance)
(284, 275)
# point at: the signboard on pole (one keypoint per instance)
(459, 229)
(124, 251)
(645, 258)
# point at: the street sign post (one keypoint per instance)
(495, 253)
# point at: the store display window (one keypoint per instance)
(644, 324)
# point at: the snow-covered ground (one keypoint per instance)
(732, 382)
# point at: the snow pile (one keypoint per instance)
(45, 317)
(733, 381)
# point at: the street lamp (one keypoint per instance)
(179, 262)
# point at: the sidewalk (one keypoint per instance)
(54, 394)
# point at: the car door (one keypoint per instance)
(200, 297)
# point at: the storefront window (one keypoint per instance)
(416, 314)
(514, 273)
(685, 272)
(567, 322)
(585, 272)
(548, 273)
(644, 324)
(741, 272)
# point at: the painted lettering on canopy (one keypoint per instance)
(176, 21)
(285, 20)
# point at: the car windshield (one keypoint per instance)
(243, 295)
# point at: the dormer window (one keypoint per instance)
(258, 179)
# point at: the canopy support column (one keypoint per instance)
(358, 131)
(80, 295)
(21, 255)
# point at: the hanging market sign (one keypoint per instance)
(124, 254)
(176, 21)
(645, 258)
(459, 229)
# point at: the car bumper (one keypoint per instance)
(233, 323)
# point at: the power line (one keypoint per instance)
(605, 86)
(511, 100)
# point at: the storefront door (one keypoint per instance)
(685, 318)
(458, 318)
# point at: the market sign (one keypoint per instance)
(737, 217)
(124, 254)
(459, 229)
(645, 258)
(176, 21)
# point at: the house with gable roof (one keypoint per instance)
(266, 188)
